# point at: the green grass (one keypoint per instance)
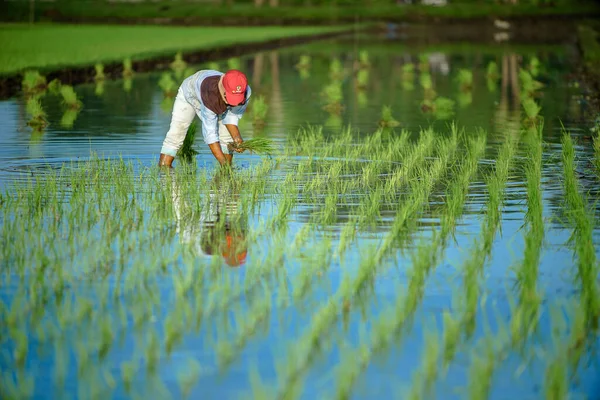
(42, 46)
(247, 13)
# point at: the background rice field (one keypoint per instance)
(395, 244)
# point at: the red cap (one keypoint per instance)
(235, 84)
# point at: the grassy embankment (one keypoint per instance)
(190, 12)
(43, 46)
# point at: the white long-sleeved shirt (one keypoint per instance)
(191, 91)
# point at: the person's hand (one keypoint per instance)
(235, 146)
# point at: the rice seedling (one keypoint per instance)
(427, 85)
(387, 120)
(68, 118)
(127, 68)
(532, 110)
(492, 76)
(304, 62)
(362, 78)
(99, 88)
(336, 70)
(492, 71)
(178, 64)
(37, 113)
(465, 80)
(363, 59)
(255, 145)
(597, 153)
(529, 85)
(423, 62)
(99, 72)
(258, 110)
(187, 152)
(168, 85)
(534, 66)
(54, 86)
(333, 97)
(127, 84)
(69, 98)
(579, 216)
(442, 107)
(408, 69)
(234, 63)
(33, 82)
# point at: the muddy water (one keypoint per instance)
(129, 119)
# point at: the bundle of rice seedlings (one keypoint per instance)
(33, 82)
(255, 145)
(426, 81)
(38, 115)
(408, 69)
(187, 152)
(304, 62)
(387, 120)
(70, 97)
(168, 85)
(213, 65)
(127, 68)
(99, 72)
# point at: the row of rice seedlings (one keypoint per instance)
(473, 267)
(525, 317)
(424, 259)
(581, 218)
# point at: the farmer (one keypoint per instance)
(219, 99)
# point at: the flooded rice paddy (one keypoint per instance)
(426, 229)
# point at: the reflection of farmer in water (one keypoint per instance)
(217, 229)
